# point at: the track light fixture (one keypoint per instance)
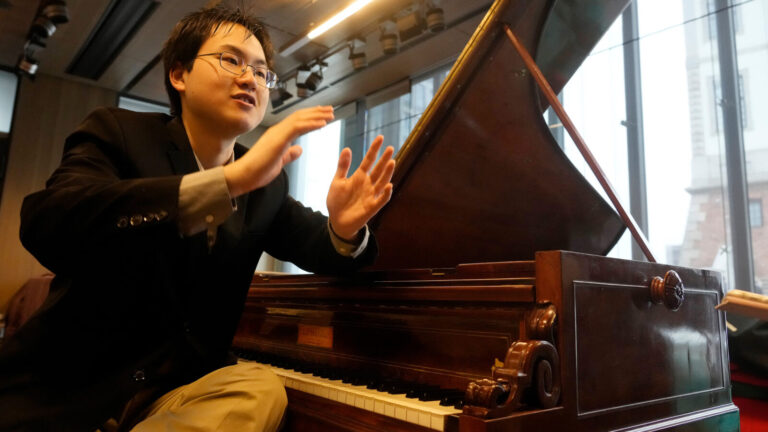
(49, 14)
(279, 95)
(42, 27)
(435, 19)
(388, 38)
(316, 77)
(27, 65)
(56, 11)
(357, 53)
(302, 91)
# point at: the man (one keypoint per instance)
(153, 226)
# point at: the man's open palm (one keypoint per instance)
(353, 200)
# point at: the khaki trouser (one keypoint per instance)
(244, 397)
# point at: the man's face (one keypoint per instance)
(223, 102)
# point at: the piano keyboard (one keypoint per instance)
(428, 414)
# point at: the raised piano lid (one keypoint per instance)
(480, 178)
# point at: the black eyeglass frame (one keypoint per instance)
(270, 77)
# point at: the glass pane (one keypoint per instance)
(752, 54)
(396, 118)
(141, 106)
(8, 83)
(314, 170)
(594, 100)
(672, 117)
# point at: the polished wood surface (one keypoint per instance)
(551, 97)
(481, 178)
(576, 343)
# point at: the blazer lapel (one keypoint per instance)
(180, 152)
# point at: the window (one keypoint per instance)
(140, 105)
(312, 173)
(8, 83)
(395, 118)
(756, 213)
(712, 19)
(717, 125)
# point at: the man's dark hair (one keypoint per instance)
(193, 30)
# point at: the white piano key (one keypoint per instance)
(389, 410)
(400, 413)
(412, 416)
(378, 406)
(424, 419)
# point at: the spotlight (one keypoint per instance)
(302, 91)
(279, 95)
(388, 43)
(359, 61)
(56, 11)
(410, 25)
(302, 73)
(388, 37)
(315, 78)
(27, 65)
(42, 27)
(35, 40)
(357, 54)
(435, 20)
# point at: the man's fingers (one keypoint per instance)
(383, 160)
(382, 199)
(386, 176)
(370, 157)
(291, 154)
(345, 159)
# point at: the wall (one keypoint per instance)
(47, 110)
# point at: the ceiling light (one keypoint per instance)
(56, 11)
(279, 95)
(42, 27)
(410, 25)
(324, 27)
(357, 53)
(316, 77)
(339, 17)
(388, 38)
(302, 91)
(27, 65)
(388, 43)
(435, 20)
(359, 60)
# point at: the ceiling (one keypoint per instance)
(136, 70)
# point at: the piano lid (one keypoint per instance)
(480, 178)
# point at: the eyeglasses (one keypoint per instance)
(235, 64)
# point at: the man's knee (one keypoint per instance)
(262, 383)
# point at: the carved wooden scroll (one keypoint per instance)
(530, 376)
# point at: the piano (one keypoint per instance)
(492, 306)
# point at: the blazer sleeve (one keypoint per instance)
(301, 236)
(91, 207)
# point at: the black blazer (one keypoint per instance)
(134, 306)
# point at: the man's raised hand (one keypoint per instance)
(275, 149)
(353, 200)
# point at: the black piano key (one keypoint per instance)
(360, 380)
(452, 398)
(397, 387)
(415, 392)
(373, 383)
